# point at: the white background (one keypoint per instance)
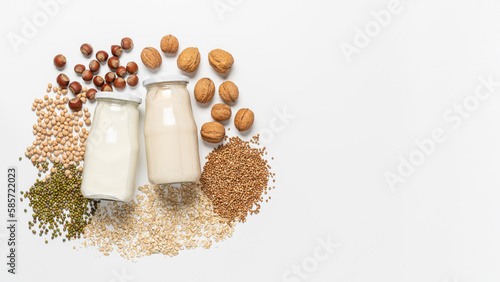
(352, 121)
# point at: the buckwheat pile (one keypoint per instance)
(235, 178)
(161, 220)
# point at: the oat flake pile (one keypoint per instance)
(163, 219)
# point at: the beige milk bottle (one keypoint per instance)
(170, 131)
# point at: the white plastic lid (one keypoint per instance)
(118, 96)
(165, 78)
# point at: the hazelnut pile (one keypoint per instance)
(116, 77)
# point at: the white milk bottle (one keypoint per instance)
(112, 148)
(170, 132)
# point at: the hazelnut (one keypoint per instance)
(98, 81)
(204, 90)
(132, 67)
(101, 56)
(169, 44)
(62, 80)
(94, 66)
(132, 80)
(91, 94)
(107, 87)
(127, 44)
(213, 132)
(119, 83)
(86, 49)
(75, 87)
(189, 59)
(87, 75)
(229, 92)
(151, 58)
(113, 63)
(110, 77)
(59, 61)
(221, 112)
(121, 71)
(75, 104)
(220, 60)
(243, 119)
(79, 68)
(116, 50)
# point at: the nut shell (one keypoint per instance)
(110, 77)
(60, 61)
(75, 87)
(98, 81)
(244, 119)
(169, 44)
(113, 63)
(79, 68)
(75, 104)
(107, 87)
(86, 49)
(221, 112)
(220, 60)
(119, 83)
(127, 43)
(132, 80)
(62, 80)
(94, 66)
(116, 50)
(189, 59)
(213, 132)
(121, 71)
(204, 90)
(132, 68)
(229, 92)
(151, 58)
(102, 56)
(87, 75)
(91, 94)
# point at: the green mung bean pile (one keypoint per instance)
(58, 205)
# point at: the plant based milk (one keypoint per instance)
(170, 132)
(112, 148)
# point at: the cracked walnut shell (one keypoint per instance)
(228, 91)
(244, 119)
(213, 132)
(189, 59)
(220, 60)
(204, 90)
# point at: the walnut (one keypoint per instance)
(151, 58)
(189, 59)
(213, 132)
(204, 90)
(243, 119)
(221, 112)
(169, 44)
(228, 91)
(220, 60)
